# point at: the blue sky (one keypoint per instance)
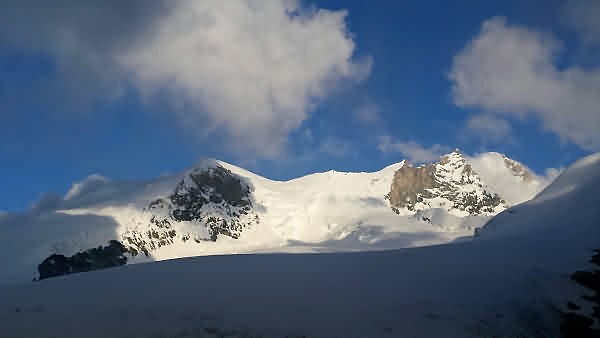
(89, 89)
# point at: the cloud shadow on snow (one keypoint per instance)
(47, 232)
(369, 237)
(373, 202)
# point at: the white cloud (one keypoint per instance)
(413, 151)
(246, 71)
(583, 16)
(256, 68)
(511, 69)
(81, 39)
(90, 184)
(47, 201)
(490, 127)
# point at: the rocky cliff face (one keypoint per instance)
(450, 184)
(518, 169)
(411, 184)
(207, 203)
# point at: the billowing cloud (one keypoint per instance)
(47, 201)
(490, 127)
(248, 71)
(92, 183)
(81, 38)
(412, 151)
(511, 69)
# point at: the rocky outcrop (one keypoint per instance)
(518, 169)
(217, 187)
(450, 183)
(411, 184)
(101, 257)
(207, 203)
(575, 322)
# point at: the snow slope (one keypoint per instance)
(322, 212)
(510, 179)
(510, 281)
(570, 204)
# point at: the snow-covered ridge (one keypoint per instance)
(219, 208)
(558, 205)
(511, 281)
(511, 180)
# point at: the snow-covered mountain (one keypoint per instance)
(450, 184)
(512, 280)
(218, 208)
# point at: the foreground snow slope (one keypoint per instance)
(508, 282)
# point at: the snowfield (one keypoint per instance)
(509, 281)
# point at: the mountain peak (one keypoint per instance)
(518, 169)
(450, 184)
(206, 163)
(216, 207)
(454, 157)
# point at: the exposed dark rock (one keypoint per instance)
(101, 257)
(213, 197)
(580, 325)
(215, 185)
